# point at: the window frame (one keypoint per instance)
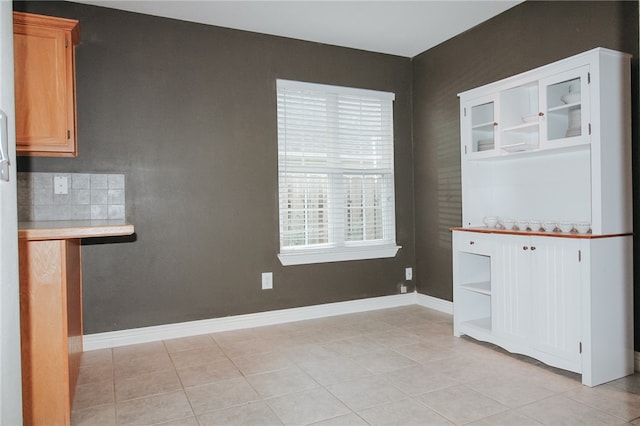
(338, 249)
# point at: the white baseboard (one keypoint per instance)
(114, 339)
(434, 303)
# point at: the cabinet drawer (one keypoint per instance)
(472, 243)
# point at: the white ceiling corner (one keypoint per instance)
(403, 28)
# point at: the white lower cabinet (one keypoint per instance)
(564, 301)
(512, 290)
(555, 300)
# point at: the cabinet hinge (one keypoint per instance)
(66, 42)
(464, 111)
(589, 128)
(579, 255)
(465, 150)
(68, 134)
(580, 347)
(588, 78)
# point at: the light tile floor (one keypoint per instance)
(398, 366)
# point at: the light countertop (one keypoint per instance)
(68, 229)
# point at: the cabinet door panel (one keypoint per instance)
(511, 288)
(556, 297)
(44, 65)
(565, 99)
(479, 124)
(41, 87)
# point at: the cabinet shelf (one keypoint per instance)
(519, 147)
(482, 287)
(483, 126)
(481, 324)
(564, 107)
(530, 127)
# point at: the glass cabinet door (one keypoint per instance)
(565, 104)
(481, 122)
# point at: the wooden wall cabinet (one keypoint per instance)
(554, 145)
(45, 87)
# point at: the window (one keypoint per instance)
(335, 171)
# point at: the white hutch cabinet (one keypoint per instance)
(549, 145)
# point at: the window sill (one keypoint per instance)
(304, 257)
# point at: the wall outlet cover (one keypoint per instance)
(60, 185)
(408, 274)
(267, 280)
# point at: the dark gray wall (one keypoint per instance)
(188, 113)
(527, 36)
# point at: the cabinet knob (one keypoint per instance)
(540, 114)
(472, 242)
(533, 248)
(495, 123)
(525, 248)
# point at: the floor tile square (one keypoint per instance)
(383, 361)
(191, 342)
(506, 418)
(366, 392)
(417, 380)
(307, 407)
(93, 394)
(461, 404)
(510, 390)
(263, 363)
(222, 394)
(610, 399)
(101, 415)
(334, 370)
(281, 382)
(344, 420)
(197, 356)
(154, 409)
(561, 410)
(147, 385)
(211, 372)
(407, 412)
(137, 365)
(252, 414)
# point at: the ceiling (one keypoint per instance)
(403, 28)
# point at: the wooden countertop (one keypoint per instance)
(69, 229)
(486, 230)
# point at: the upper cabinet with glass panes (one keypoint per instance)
(551, 143)
(544, 110)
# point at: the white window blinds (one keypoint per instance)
(335, 167)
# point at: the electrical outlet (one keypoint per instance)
(403, 289)
(267, 280)
(60, 185)
(408, 274)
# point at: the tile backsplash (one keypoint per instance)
(89, 196)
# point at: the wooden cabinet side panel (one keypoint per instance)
(74, 312)
(43, 329)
